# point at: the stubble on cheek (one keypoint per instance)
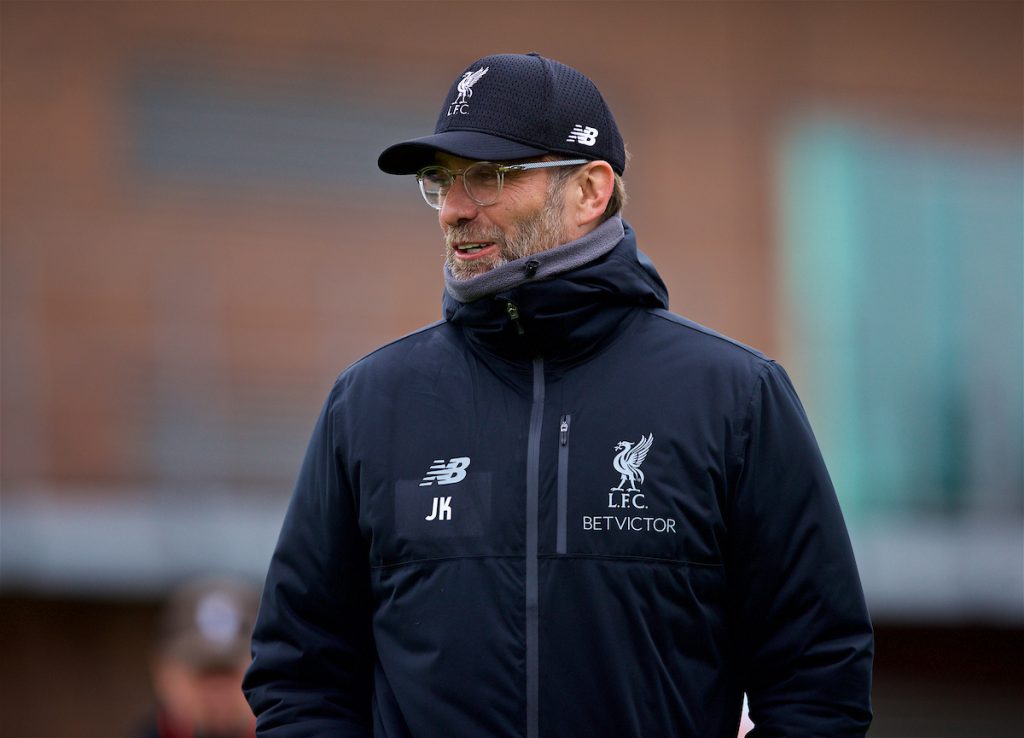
(466, 269)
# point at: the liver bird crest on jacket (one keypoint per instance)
(465, 86)
(627, 462)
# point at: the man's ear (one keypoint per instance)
(594, 183)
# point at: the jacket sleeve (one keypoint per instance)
(802, 629)
(312, 669)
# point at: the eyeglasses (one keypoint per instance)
(483, 180)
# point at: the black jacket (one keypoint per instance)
(580, 516)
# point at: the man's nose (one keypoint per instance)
(457, 206)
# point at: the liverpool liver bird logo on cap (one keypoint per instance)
(465, 86)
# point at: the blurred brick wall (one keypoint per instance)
(124, 288)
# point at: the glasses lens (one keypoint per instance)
(483, 182)
(434, 184)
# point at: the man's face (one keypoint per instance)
(528, 218)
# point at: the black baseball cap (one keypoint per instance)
(516, 106)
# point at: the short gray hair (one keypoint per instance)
(561, 175)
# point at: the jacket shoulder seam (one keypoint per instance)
(679, 320)
(361, 359)
(748, 422)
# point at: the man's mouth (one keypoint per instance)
(473, 249)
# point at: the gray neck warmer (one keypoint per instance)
(546, 264)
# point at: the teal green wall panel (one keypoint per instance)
(901, 260)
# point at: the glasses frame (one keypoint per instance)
(502, 169)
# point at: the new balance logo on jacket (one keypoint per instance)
(446, 472)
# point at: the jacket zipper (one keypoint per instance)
(532, 523)
(513, 314)
(563, 481)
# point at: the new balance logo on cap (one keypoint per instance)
(446, 472)
(586, 136)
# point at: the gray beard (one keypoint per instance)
(539, 231)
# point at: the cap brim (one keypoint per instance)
(409, 157)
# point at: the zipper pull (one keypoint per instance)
(513, 314)
(563, 430)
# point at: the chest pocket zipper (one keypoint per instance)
(563, 482)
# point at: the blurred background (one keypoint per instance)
(196, 241)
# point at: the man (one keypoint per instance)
(201, 654)
(562, 510)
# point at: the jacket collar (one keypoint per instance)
(566, 310)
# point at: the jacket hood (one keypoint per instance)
(565, 316)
